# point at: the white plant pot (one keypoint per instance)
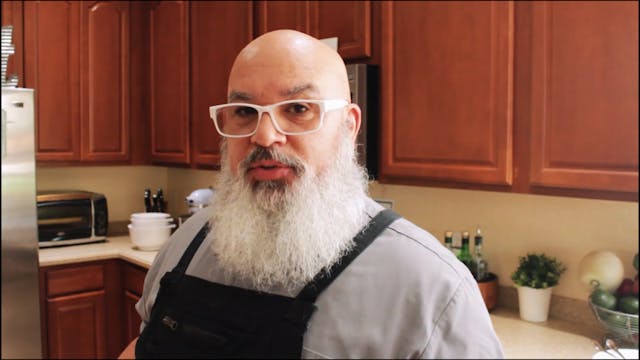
(534, 303)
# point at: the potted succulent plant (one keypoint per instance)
(535, 278)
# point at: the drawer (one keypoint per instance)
(74, 279)
(134, 278)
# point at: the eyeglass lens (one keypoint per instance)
(291, 118)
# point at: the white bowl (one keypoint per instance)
(150, 215)
(149, 238)
(151, 222)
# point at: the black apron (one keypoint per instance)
(194, 318)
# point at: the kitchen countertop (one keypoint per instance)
(116, 247)
(520, 339)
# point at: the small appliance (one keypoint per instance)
(68, 217)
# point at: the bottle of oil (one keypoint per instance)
(479, 267)
(465, 254)
(448, 241)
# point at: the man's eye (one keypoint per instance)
(297, 108)
(244, 111)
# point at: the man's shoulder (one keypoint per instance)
(410, 246)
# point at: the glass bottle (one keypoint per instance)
(479, 265)
(448, 241)
(465, 254)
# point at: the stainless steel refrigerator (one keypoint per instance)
(20, 290)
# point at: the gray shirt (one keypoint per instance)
(404, 296)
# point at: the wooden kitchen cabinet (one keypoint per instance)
(214, 46)
(446, 92)
(169, 81)
(12, 14)
(350, 21)
(133, 280)
(105, 123)
(191, 57)
(584, 95)
(80, 313)
(52, 32)
(503, 96)
(77, 60)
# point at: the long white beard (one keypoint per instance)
(281, 236)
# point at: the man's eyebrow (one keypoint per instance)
(239, 95)
(297, 90)
(235, 95)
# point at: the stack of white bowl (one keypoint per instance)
(149, 230)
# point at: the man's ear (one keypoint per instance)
(354, 120)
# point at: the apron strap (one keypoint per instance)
(182, 265)
(364, 238)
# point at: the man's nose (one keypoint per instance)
(266, 134)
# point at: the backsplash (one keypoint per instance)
(512, 224)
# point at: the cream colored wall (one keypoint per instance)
(123, 186)
(182, 182)
(513, 224)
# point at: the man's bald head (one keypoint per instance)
(293, 59)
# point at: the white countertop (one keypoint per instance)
(520, 339)
(116, 247)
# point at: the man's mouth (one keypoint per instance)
(265, 170)
(266, 164)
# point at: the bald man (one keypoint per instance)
(293, 259)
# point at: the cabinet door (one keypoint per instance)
(273, 15)
(584, 103)
(52, 68)
(349, 21)
(133, 285)
(169, 81)
(105, 84)
(76, 326)
(214, 46)
(132, 318)
(12, 14)
(446, 92)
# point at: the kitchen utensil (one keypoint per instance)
(613, 346)
(149, 238)
(147, 200)
(199, 199)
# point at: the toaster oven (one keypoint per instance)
(71, 217)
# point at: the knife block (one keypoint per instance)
(489, 289)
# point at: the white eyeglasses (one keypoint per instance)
(290, 117)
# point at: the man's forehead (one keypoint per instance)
(309, 89)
